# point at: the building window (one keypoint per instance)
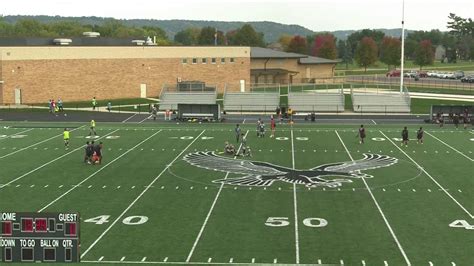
(184, 61)
(195, 60)
(222, 60)
(232, 60)
(213, 60)
(204, 60)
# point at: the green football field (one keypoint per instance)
(307, 196)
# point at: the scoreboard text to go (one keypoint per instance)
(40, 237)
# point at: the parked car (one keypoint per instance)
(410, 74)
(449, 76)
(393, 73)
(458, 74)
(431, 74)
(467, 79)
(422, 74)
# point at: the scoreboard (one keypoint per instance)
(39, 237)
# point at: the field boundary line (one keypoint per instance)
(454, 149)
(295, 203)
(378, 206)
(139, 196)
(175, 262)
(431, 177)
(210, 210)
(22, 149)
(17, 133)
(98, 171)
(129, 118)
(52, 161)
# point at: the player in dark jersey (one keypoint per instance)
(272, 125)
(89, 151)
(361, 134)
(237, 132)
(97, 156)
(405, 137)
(465, 120)
(419, 135)
(456, 120)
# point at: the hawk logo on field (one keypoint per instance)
(264, 174)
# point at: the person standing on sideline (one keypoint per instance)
(94, 103)
(109, 106)
(272, 126)
(53, 106)
(259, 121)
(405, 137)
(154, 112)
(66, 138)
(419, 136)
(237, 132)
(60, 105)
(361, 134)
(92, 129)
(456, 120)
(50, 104)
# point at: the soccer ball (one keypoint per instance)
(65, 114)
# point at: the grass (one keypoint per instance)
(144, 175)
(423, 106)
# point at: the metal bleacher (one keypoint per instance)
(258, 98)
(369, 101)
(315, 100)
(171, 96)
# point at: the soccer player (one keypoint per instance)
(456, 120)
(405, 137)
(419, 136)
(92, 130)
(441, 119)
(262, 129)
(89, 151)
(465, 120)
(60, 105)
(66, 138)
(259, 121)
(361, 134)
(97, 155)
(154, 112)
(237, 132)
(229, 148)
(272, 126)
(94, 103)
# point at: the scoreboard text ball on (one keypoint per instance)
(39, 237)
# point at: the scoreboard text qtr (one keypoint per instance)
(39, 237)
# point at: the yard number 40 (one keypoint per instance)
(283, 221)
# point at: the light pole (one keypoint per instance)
(403, 47)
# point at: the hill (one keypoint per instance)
(271, 30)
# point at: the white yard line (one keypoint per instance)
(52, 161)
(210, 211)
(148, 117)
(129, 117)
(373, 122)
(22, 149)
(139, 196)
(434, 180)
(96, 172)
(378, 206)
(472, 160)
(295, 203)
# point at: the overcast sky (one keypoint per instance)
(317, 15)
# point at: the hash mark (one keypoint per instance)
(32, 185)
(89, 186)
(209, 260)
(144, 259)
(399, 190)
(253, 260)
(275, 260)
(460, 190)
(177, 187)
(431, 263)
(342, 262)
(133, 187)
(414, 190)
(46, 186)
(429, 190)
(363, 262)
(60, 186)
(166, 259)
(231, 260)
(104, 186)
(101, 258)
(385, 263)
(122, 259)
(18, 185)
(118, 187)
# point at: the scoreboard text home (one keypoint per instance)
(39, 237)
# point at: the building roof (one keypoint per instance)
(263, 53)
(271, 71)
(312, 60)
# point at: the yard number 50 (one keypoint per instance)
(283, 221)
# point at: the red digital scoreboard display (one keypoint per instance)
(39, 237)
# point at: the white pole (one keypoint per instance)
(403, 46)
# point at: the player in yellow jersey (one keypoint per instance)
(66, 138)
(92, 128)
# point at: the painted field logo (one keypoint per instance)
(264, 174)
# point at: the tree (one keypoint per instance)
(366, 52)
(460, 26)
(247, 36)
(357, 36)
(344, 52)
(390, 51)
(285, 40)
(424, 54)
(297, 45)
(187, 36)
(325, 46)
(208, 36)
